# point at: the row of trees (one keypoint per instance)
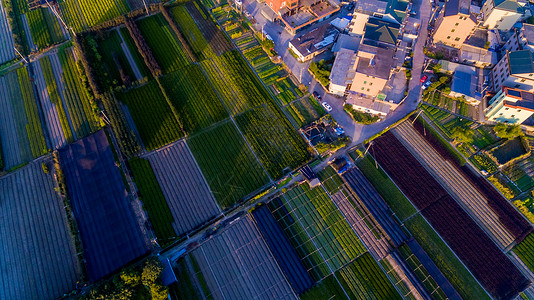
(176, 31)
(125, 136)
(143, 47)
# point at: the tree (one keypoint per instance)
(436, 68)
(462, 134)
(505, 131)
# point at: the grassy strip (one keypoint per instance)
(396, 200)
(458, 275)
(525, 251)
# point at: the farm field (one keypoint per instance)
(503, 226)
(44, 27)
(193, 97)
(77, 102)
(322, 237)
(227, 163)
(50, 110)
(186, 192)
(278, 145)
(82, 14)
(167, 50)
(361, 279)
(201, 33)
(21, 134)
(134, 57)
(525, 251)
(155, 122)
(234, 264)
(485, 260)
(153, 200)
(109, 230)
(38, 253)
(7, 43)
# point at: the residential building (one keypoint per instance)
(343, 71)
(527, 36)
(357, 24)
(299, 14)
(511, 106)
(372, 70)
(502, 14)
(379, 33)
(477, 50)
(454, 23)
(370, 106)
(313, 42)
(345, 41)
(394, 11)
(515, 69)
(465, 83)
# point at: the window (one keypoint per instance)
(500, 114)
(364, 82)
(530, 75)
(456, 24)
(370, 83)
(512, 116)
(523, 80)
(457, 39)
(363, 88)
(506, 108)
(497, 26)
(517, 85)
(368, 90)
(453, 30)
(449, 37)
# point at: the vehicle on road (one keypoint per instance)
(327, 106)
(316, 96)
(426, 84)
(424, 78)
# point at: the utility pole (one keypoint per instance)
(60, 18)
(417, 116)
(146, 8)
(20, 55)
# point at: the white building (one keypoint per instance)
(510, 106)
(342, 72)
(502, 14)
(515, 69)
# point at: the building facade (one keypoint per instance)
(510, 106)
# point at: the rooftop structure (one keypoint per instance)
(342, 72)
(510, 106)
(314, 42)
(345, 41)
(390, 10)
(381, 33)
(298, 14)
(454, 23)
(478, 50)
(502, 14)
(465, 83)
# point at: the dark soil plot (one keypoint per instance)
(283, 252)
(109, 230)
(508, 151)
(37, 253)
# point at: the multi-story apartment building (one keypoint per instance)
(511, 106)
(516, 70)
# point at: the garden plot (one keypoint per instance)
(50, 111)
(29, 38)
(320, 234)
(7, 44)
(20, 127)
(38, 253)
(109, 229)
(82, 14)
(184, 187)
(237, 264)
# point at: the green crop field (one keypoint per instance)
(167, 50)
(153, 117)
(77, 100)
(191, 32)
(525, 251)
(313, 223)
(33, 128)
(194, 98)
(39, 28)
(136, 56)
(55, 96)
(153, 200)
(236, 83)
(229, 166)
(457, 274)
(82, 14)
(277, 143)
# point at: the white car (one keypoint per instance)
(327, 106)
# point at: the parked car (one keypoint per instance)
(424, 78)
(426, 85)
(327, 106)
(316, 96)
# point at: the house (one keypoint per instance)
(515, 69)
(477, 50)
(370, 106)
(454, 23)
(357, 24)
(380, 33)
(465, 83)
(394, 11)
(345, 41)
(342, 72)
(313, 42)
(299, 14)
(511, 106)
(372, 70)
(502, 14)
